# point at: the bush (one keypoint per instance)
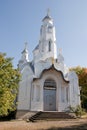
(10, 116)
(79, 111)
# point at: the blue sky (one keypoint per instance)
(20, 21)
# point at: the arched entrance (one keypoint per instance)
(49, 95)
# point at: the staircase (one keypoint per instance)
(51, 116)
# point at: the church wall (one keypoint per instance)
(64, 97)
(24, 89)
(74, 90)
(37, 99)
(24, 96)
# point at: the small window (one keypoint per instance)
(49, 46)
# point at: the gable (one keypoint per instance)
(26, 72)
(52, 70)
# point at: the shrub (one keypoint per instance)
(79, 111)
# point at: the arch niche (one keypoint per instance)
(49, 95)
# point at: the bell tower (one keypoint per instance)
(47, 42)
(47, 37)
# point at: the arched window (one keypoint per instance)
(49, 46)
(49, 84)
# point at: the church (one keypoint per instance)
(46, 83)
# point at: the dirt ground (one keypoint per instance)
(75, 124)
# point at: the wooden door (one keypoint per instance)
(49, 99)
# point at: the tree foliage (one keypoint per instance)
(82, 75)
(9, 79)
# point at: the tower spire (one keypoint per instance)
(26, 45)
(47, 37)
(48, 12)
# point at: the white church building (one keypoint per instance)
(46, 83)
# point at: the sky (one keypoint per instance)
(20, 22)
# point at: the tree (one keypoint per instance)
(82, 75)
(9, 79)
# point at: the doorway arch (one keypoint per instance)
(49, 95)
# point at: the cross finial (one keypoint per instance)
(52, 61)
(48, 12)
(26, 45)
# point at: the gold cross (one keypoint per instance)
(52, 61)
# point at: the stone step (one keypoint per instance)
(51, 115)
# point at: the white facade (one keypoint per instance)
(46, 83)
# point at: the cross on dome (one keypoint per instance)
(48, 12)
(26, 45)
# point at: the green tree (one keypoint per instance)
(82, 75)
(9, 79)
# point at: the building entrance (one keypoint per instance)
(49, 95)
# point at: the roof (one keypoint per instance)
(28, 64)
(36, 48)
(32, 66)
(47, 17)
(52, 68)
(24, 51)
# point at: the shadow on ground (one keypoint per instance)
(75, 127)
